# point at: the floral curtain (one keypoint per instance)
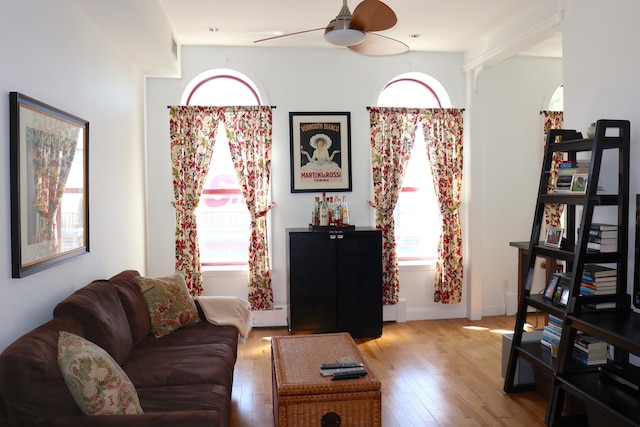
(52, 160)
(392, 135)
(249, 130)
(443, 132)
(192, 131)
(552, 212)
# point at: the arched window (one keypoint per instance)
(222, 214)
(557, 99)
(417, 215)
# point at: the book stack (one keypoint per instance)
(603, 238)
(598, 280)
(566, 170)
(589, 350)
(551, 334)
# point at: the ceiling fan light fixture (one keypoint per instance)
(340, 33)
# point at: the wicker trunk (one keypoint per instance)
(302, 397)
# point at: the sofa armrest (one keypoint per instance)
(154, 419)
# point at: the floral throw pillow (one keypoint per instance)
(97, 383)
(169, 303)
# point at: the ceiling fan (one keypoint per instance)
(355, 30)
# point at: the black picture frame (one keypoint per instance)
(550, 289)
(49, 170)
(563, 299)
(314, 169)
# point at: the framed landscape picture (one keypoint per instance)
(579, 183)
(320, 152)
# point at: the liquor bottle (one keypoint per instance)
(345, 211)
(324, 211)
(315, 215)
(331, 212)
(337, 216)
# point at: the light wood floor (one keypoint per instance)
(433, 373)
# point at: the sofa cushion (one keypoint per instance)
(98, 385)
(134, 305)
(212, 398)
(98, 309)
(31, 383)
(181, 365)
(200, 333)
(169, 304)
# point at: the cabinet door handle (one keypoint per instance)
(332, 236)
(340, 237)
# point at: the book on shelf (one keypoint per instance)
(596, 271)
(590, 343)
(551, 334)
(602, 247)
(599, 226)
(588, 291)
(603, 240)
(563, 183)
(603, 234)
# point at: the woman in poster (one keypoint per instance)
(320, 160)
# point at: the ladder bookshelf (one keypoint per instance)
(577, 312)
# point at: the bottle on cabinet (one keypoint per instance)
(330, 211)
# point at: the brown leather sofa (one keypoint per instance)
(182, 379)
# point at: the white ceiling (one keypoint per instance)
(475, 27)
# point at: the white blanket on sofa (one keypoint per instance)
(228, 311)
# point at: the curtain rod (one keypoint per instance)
(461, 109)
(273, 106)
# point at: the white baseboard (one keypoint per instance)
(396, 312)
(274, 317)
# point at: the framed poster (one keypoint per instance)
(320, 152)
(49, 162)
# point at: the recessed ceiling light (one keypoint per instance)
(214, 29)
(414, 36)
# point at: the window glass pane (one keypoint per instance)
(417, 215)
(557, 99)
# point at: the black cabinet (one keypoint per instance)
(334, 281)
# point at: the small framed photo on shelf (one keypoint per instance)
(554, 237)
(579, 183)
(563, 299)
(550, 290)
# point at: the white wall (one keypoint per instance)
(338, 80)
(506, 156)
(52, 52)
(600, 46)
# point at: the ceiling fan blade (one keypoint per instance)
(379, 45)
(288, 34)
(373, 15)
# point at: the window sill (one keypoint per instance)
(225, 269)
(423, 264)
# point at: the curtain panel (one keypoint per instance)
(552, 212)
(249, 129)
(392, 136)
(193, 133)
